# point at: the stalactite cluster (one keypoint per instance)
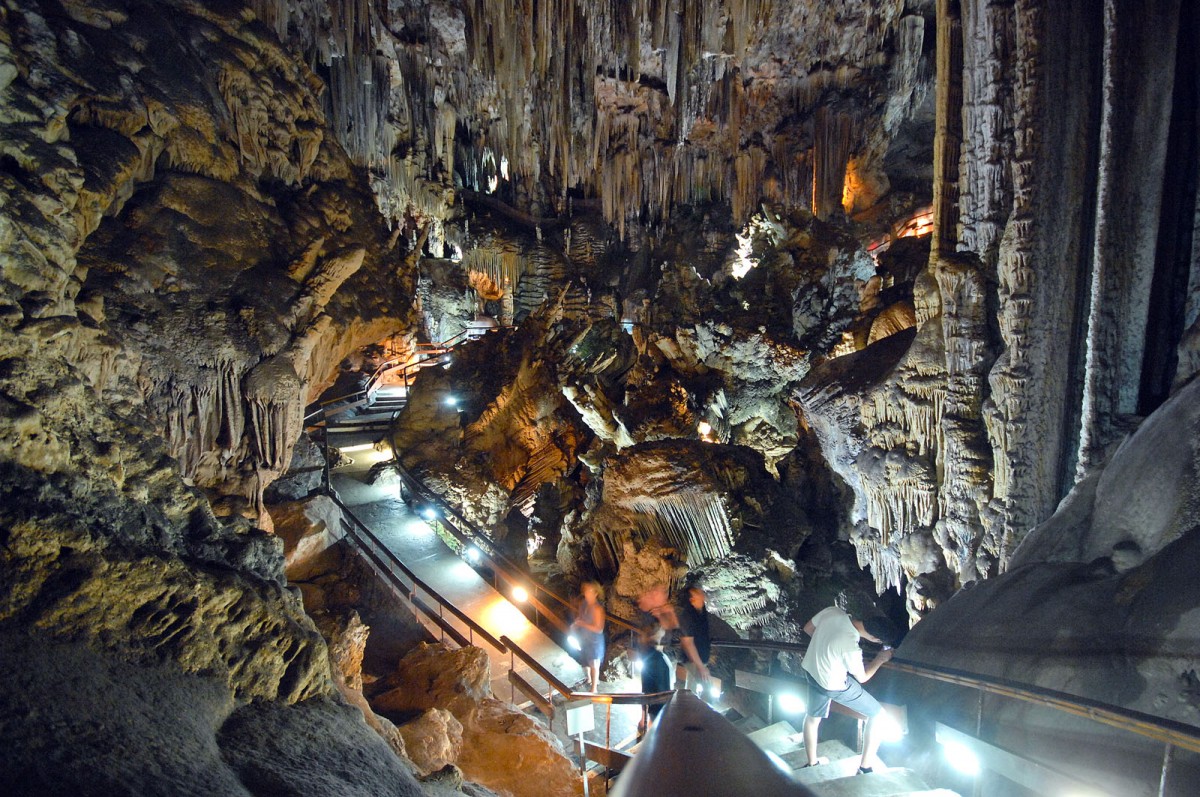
(642, 105)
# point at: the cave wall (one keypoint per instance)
(1039, 316)
(187, 254)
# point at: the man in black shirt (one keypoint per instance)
(692, 664)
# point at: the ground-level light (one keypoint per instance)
(790, 703)
(573, 643)
(961, 757)
(429, 513)
(520, 594)
(473, 555)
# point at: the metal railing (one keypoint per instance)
(1171, 733)
(467, 534)
(390, 566)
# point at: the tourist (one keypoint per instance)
(589, 630)
(656, 671)
(691, 668)
(833, 670)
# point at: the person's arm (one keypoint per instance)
(880, 659)
(809, 628)
(689, 648)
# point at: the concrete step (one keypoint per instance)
(750, 724)
(843, 762)
(897, 782)
(778, 738)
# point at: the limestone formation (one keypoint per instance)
(789, 298)
(496, 745)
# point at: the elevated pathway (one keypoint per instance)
(416, 544)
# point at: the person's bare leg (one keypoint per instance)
(811, 726)
(871, 744)
(594, 675)
(681, 679)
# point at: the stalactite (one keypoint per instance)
(833, 141)
(692, 521)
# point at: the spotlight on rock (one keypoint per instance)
(961, 757)
(520, 595)
(790, 703)
(451, 401)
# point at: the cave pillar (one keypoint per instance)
(1140, 40)
(948, 127)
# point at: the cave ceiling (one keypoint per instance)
(867, 282)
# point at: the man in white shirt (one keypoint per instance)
(833, 670)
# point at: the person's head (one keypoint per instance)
(696, 597)
(592, 591)
(653, 599)
(878, 628)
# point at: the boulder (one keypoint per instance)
(308, 528)
(433, 741)
(503, 746)
(432, 676)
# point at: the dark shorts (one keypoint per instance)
(853, 697)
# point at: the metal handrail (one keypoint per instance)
(1168, 731)
(1147, 725)
(760, 644)
(501, 564)
(553, 681)
(392, 561)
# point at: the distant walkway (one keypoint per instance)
(414, 542)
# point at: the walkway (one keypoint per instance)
(415, 543)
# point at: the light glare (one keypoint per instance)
(520, 595)
(959, 756)
(790, 703)
(473, 555)
(890, 731)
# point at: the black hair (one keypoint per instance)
(882, 629)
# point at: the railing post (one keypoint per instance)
(1168, 759)
(977, 789)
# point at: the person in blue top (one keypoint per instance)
(834, 672)
(589, 630)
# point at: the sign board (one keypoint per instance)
(581, 718)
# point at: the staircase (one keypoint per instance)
(839, 777)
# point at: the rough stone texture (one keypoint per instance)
(433, 741)
(303, 476)
(433, 676)
(68, 707)
(1101, 600)
(501, 746)
(308, 529)
(339, 754)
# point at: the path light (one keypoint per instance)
(520, 595)
(637, 666)
(790, 703)
(451, 401)
(573, 643)
(473, 554)
(429, 513)
(889, 728)
(959, 756)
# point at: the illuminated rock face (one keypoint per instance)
(203, 213)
